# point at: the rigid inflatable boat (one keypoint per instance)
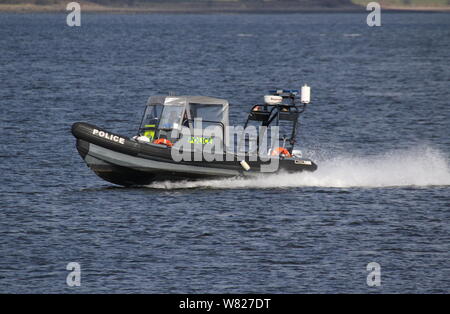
(188, 137)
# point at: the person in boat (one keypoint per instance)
(185, 122)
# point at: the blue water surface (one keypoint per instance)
(378, 127)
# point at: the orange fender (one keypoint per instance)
(163, 141)
(281, 151)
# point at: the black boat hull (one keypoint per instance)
(126, 162)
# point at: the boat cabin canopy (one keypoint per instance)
(163, 114)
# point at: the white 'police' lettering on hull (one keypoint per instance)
(108, 136)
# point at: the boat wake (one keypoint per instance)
(419, 167)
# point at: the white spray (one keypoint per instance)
(413, 167)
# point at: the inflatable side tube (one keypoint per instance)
(98, 136)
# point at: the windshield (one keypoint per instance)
(150, 120)
(151, 116)
(171, 117)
